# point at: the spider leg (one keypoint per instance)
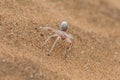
(53, 45)
(69, 47)
(54, 35)
(47, 28)
(70, 44)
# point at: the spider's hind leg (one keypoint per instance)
(69, 47)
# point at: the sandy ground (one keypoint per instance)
(95, 26)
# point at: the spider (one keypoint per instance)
(60, 35)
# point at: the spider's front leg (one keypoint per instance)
(47, 28)
(53, 45)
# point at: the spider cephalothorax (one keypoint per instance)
(59, 34)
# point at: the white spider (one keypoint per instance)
(60, 35)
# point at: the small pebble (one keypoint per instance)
(41, 34)
(31, 76)
(3, 60)
(116, 53)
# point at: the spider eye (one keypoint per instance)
(63, 26)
